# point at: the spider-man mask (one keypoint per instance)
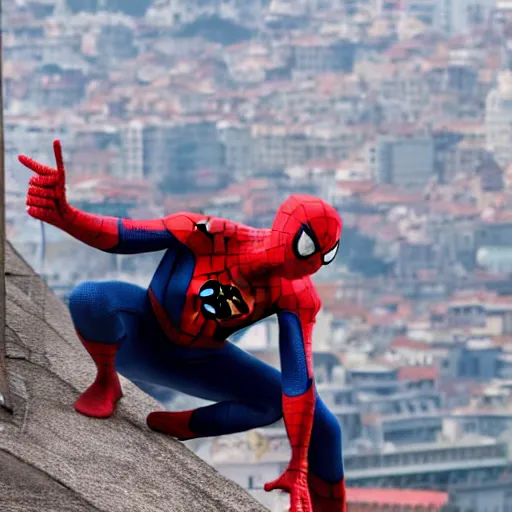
(304, 237)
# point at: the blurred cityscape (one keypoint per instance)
(397, 112)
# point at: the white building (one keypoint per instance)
(458, 16)
(498, 119)
(132, 137)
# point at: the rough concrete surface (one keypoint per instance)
(53, 459)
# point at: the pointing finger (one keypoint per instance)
(43, 170)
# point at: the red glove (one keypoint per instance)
(298, 414)
(46, 201)
(46, 197)
(296, 483)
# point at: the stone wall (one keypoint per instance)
(52, 458)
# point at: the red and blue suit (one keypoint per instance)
(215, 278)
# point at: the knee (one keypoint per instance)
(85, 301)
(327, 425)
(97, 311)
(325, 456)
(93, 304)
(333, 430)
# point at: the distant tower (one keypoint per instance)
(498, 113)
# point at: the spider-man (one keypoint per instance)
(215, 278)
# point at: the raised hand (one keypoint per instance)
(296, 483)
(46, 198)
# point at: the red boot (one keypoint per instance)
(99, 400)
(327, 497)
(175, 424)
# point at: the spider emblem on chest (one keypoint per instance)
(221, 301)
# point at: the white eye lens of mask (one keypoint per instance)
(331, 254)
(305, 245)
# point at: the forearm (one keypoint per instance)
(46, 201)
(97, 231)
(116, 235)
(298, 385)
(298, 413)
